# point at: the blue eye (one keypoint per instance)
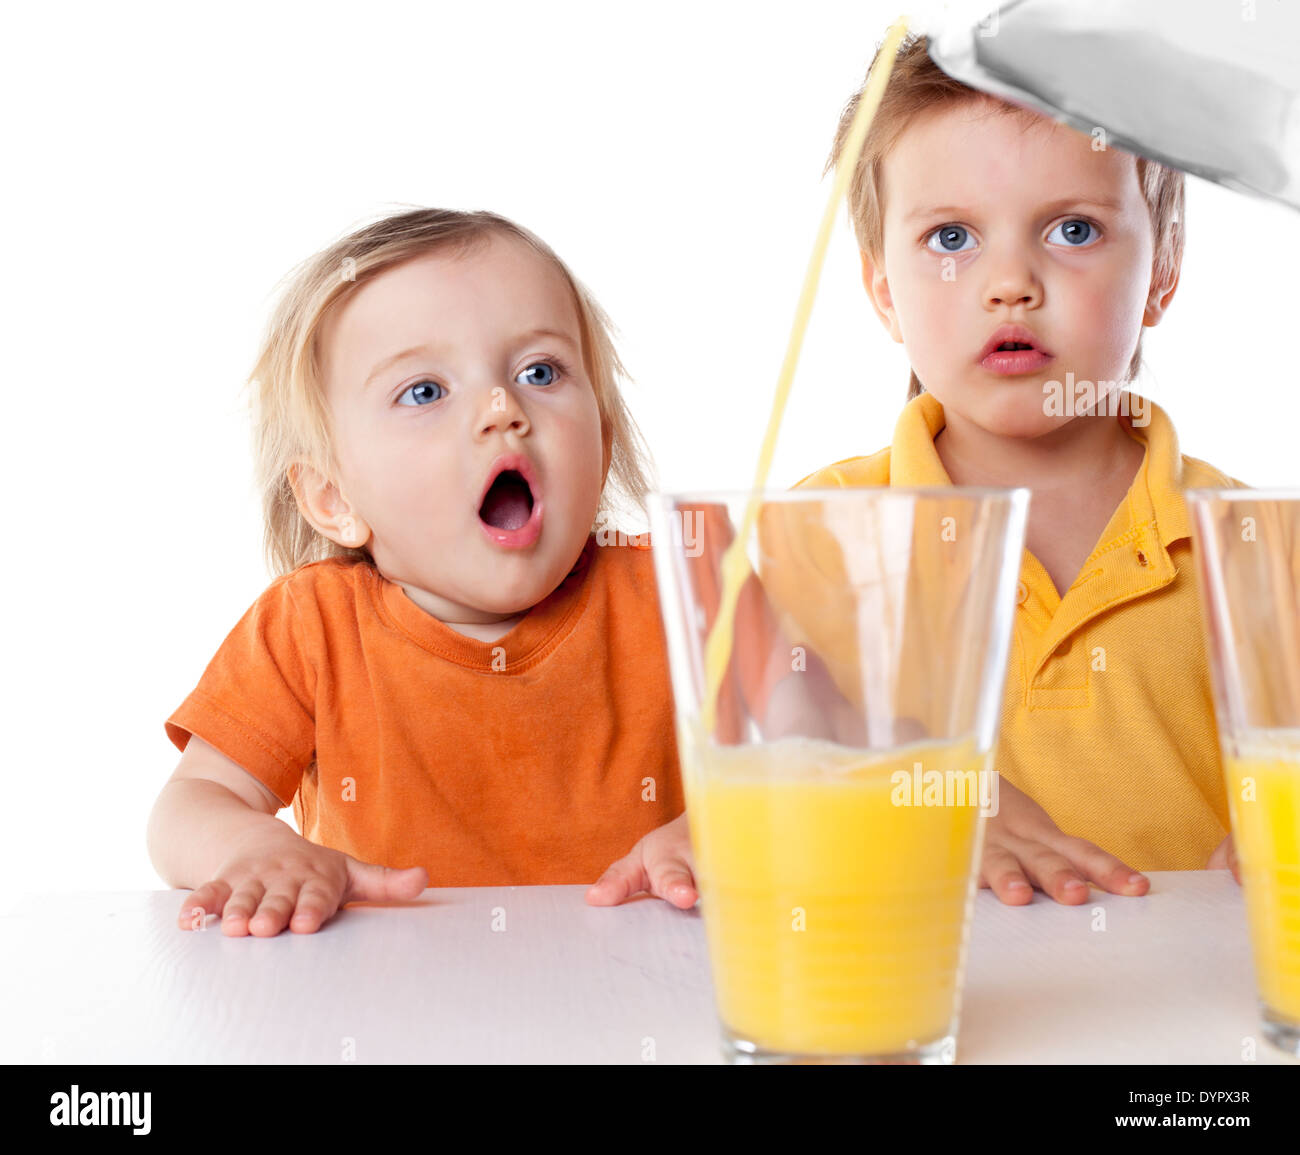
(1081, 233)
(950, 237)
(441, 392)
(538, 373)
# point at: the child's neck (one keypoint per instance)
(1078, 476)
(484, 631)
(483, 627)
(1071, 460)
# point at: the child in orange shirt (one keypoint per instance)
(453, 679)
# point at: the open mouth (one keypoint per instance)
(1016, 354)
(508, 503)
(1008, 340)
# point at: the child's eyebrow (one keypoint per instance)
(554, 334)
(389, 362)
(1099, 202)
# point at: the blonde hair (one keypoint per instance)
(290, 417)
(916, 84)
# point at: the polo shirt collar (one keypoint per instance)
(1155, 498)
(1157, 491)
(913, 459)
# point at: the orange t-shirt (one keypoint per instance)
(540, 758)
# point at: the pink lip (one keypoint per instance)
(1011, 363)
(531, 530)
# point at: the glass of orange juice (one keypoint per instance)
(1248, 562)
(836, 721)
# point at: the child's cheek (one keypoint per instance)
(574, 458)
(1106, 322)
(926, 316)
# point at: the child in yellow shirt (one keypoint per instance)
(985, 225)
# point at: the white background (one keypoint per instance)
(167, 165)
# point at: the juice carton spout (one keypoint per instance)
(1206, 87)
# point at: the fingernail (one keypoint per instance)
(1134, 879)
(1075, 884)
(1018, 884)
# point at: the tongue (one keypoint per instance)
(508, 504)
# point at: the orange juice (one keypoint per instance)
(835, 896)
(1264, 795)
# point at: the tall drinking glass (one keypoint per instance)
(836, 781)
(1248, 561)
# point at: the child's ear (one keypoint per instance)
(325, 508)
(877, 286)
(1158, 299)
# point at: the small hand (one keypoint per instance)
(1024, 848)
(660, 863)
(278, 879)
(1225, 858)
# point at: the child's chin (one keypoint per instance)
(1019, 418)
(1025, 426)
(512, 601)
(518, 596)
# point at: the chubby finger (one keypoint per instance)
(1001, 873)
(1053, 874)
(240, 907)
(273, 911)
(317, 901)
(1103, 869)
(207, 899)
(673, 881)
(371, 882)
(622, 880)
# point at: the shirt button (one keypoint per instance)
(1022, 593)
(1063, 648)
(1142, 558)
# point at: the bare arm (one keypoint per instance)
(208, 803)
(214, 830)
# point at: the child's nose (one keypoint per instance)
(1013, 283)
(502, 411)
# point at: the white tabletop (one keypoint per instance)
(111, 978)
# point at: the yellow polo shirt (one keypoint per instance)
(1107, 718)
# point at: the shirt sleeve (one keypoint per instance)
(256, 700)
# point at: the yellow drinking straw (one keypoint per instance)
(735, 565)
